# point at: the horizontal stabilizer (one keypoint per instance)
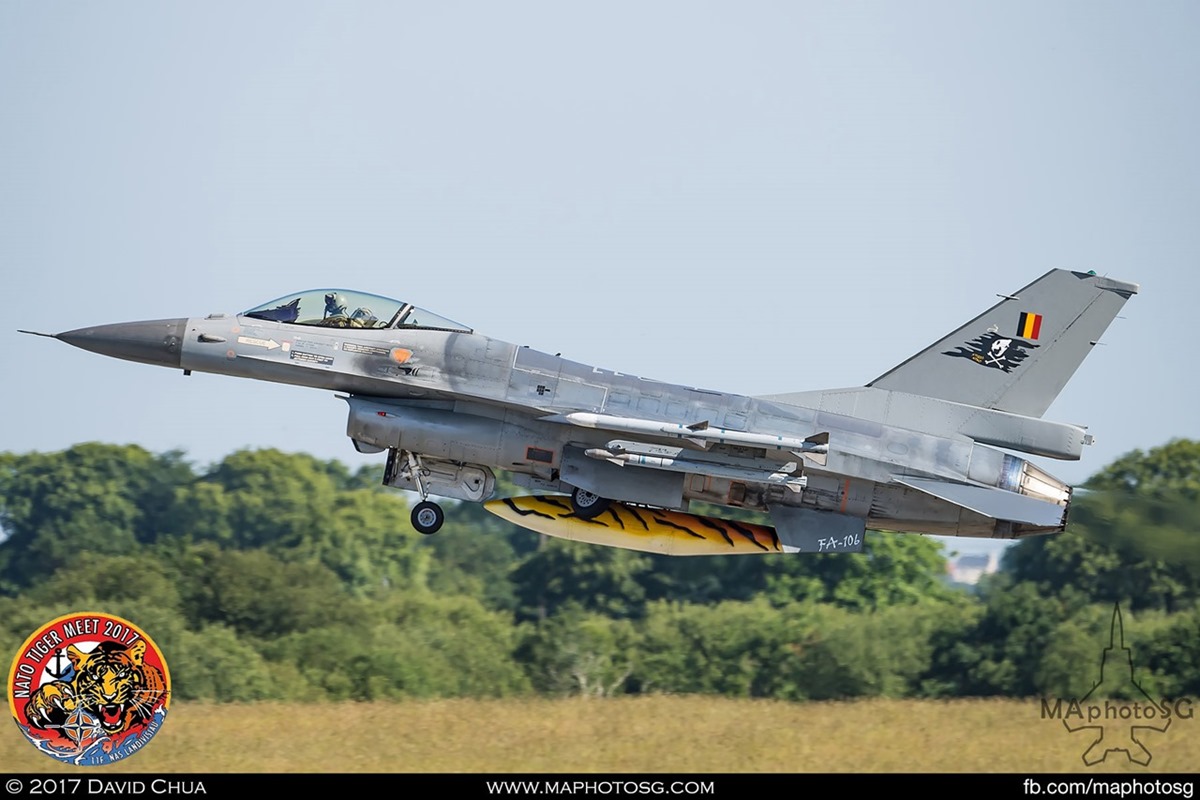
(991, 502)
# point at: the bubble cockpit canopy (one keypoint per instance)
(340, 308)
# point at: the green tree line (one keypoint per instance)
(276, 575)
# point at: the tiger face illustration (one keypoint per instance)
(112, 683)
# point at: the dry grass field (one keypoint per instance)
(624, 735)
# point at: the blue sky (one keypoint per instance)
(755, 197)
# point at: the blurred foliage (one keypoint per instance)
(1133, 537)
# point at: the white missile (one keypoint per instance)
(782, 475)
(701, 433)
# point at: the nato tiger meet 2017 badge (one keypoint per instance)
(89, 688)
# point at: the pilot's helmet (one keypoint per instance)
(334, 304)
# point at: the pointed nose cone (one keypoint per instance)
(158, 341)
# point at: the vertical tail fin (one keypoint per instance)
(1019, 354)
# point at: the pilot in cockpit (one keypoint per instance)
(336, 315)
(363, 318)
(335, 306)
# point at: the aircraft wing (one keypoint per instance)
(990, 501)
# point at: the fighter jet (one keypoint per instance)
(929, 447)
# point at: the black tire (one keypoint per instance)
(427, 517)
(587, 505)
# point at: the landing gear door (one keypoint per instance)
(470, 482)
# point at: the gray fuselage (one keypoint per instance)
(463, 398)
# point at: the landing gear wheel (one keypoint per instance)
(587, 505)
(427, 517)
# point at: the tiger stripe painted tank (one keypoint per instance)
(650, 530)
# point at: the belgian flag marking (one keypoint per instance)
(1029, 326)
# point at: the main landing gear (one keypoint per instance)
(588, 505)
(427, 516)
